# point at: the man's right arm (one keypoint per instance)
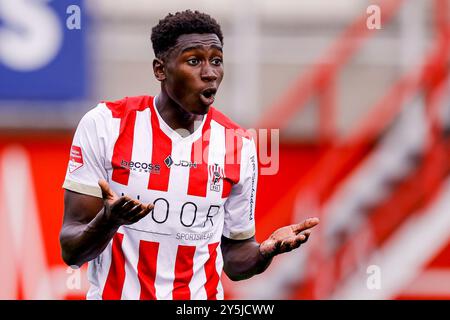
(86, 231)
(90, 222)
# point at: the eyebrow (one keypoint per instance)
(201, 47)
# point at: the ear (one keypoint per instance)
(158, 69)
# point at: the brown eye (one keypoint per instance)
(216, 61)
(193, 61)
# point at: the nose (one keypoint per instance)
(208, 73)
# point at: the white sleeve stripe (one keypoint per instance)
(82, 188)
(242, 235)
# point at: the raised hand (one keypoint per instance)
(287, 238)
(122, 210)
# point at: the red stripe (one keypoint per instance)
(162, 148)
(198, 176)
(212, 277)
(233, 146)
(123, 149)
(183, 272)
(148, 256)
(116, 275)
(125, 110)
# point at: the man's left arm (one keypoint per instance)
(246, 258)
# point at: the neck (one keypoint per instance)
(175, 116)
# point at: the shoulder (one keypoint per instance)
(99, 118)
(229, 124)
(122, 107)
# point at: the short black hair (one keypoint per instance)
(166, 32)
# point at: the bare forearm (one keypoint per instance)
(242, 259)
(81, 243)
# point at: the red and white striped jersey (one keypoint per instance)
(202, 185)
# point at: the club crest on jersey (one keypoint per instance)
(76, 159)
(216, 174)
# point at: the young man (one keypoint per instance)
(160, 191)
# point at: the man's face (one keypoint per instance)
(194, 71)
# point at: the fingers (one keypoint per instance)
(107, 192)
(306, 233)
(138, 212)
(307, 224)
(130, 205)
(119, 203)
(125, 204)
(294, 242)
(136, 209)
(122, 210)
(142, 213)
(126, 210)
(291, 244)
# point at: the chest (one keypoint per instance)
(188, 192)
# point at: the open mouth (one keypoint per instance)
(208, 95)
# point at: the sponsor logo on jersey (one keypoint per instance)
(182, 163)
(76, 159)
(140, 166)
(216, 173)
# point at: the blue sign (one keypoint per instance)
(42, 50)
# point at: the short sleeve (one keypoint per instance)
(239, 208)
(87, 155)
